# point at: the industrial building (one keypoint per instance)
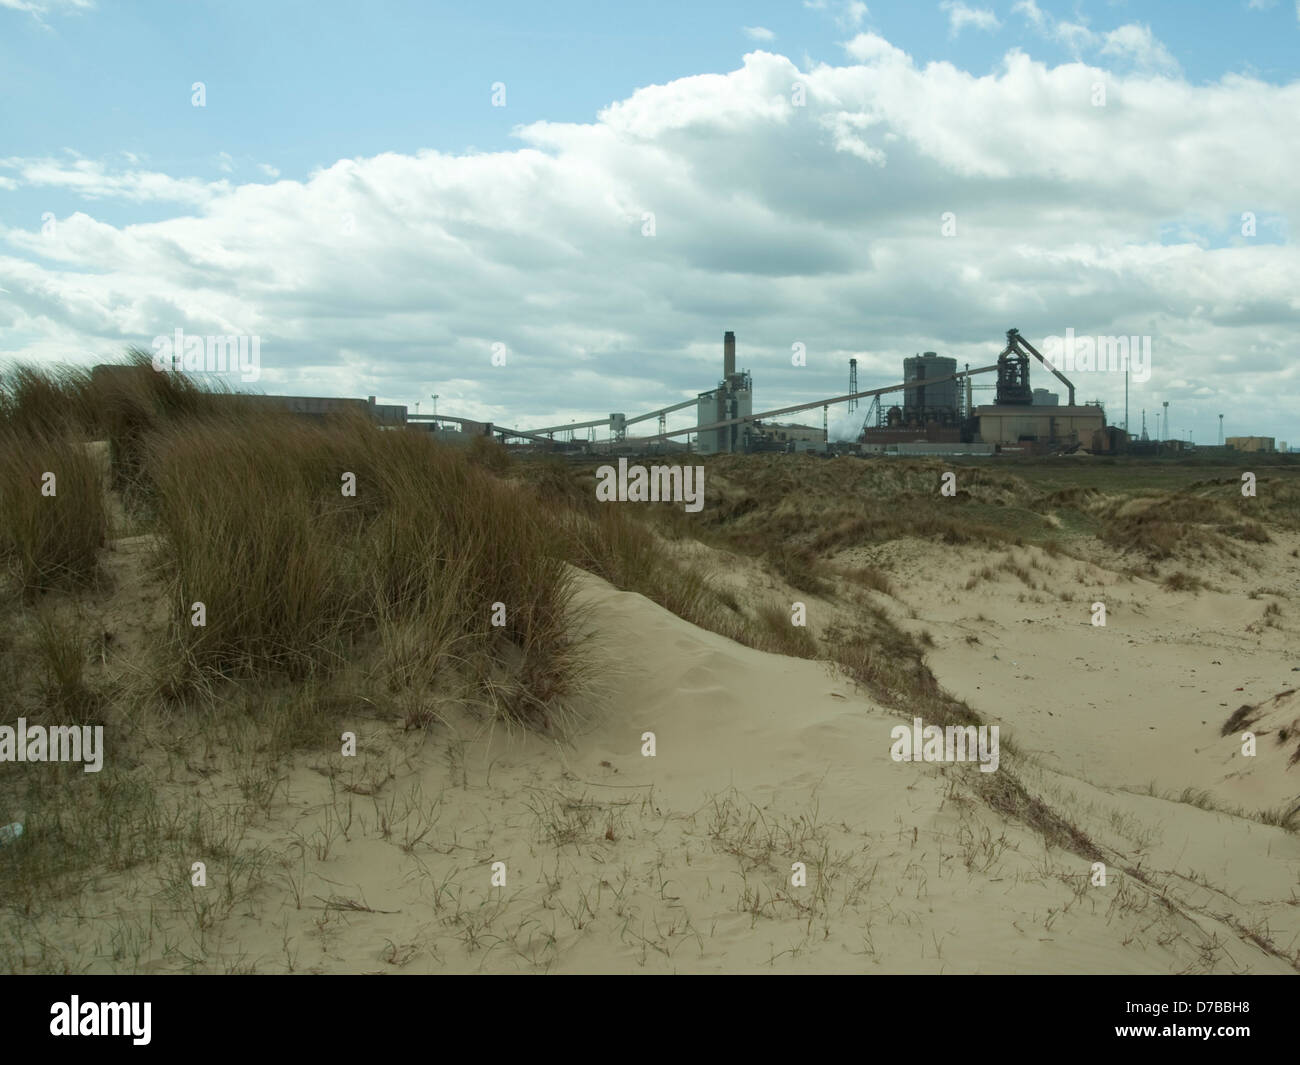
(1021, 419)
(932, 410)
(389, 415)
(1029, 424)
(465, 429)
(790, 434)
(386, 415)
(732, 399)
(930, 402)
(1015, 418)
(1251, 443)
(936, 415)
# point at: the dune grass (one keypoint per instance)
(345, 574)
(307, 538)
(53, 519)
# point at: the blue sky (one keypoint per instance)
(154, 198)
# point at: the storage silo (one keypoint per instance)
(930, 402)
(708, 411)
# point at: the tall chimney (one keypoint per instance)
(728, 354)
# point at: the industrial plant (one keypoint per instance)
(934, 413)
(933, 410)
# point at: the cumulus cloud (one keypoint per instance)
(960, 16)
(759, 33)
(609, 256)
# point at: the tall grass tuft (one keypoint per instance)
(132, 400)
(53, 518)
(301, 539)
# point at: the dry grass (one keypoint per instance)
(53, 519)
(872, 578)
(1179, 581)
(429, 540)
(436, 579)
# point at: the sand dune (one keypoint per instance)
(681, 862)
(1124, 829)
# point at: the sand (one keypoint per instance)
(466, 847)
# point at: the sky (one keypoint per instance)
(551, 212)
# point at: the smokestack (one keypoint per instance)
(728, 354)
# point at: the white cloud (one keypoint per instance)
(1074, 36)
(855, 12)
(94, 181)
(759, 33)
(37, 8)
(269, 170)
(871, 47)
(225, 162)
(848, 14)
(1031, 11)
(395, 274)
(1138, 44)
(1134, 43)
(960, 16)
